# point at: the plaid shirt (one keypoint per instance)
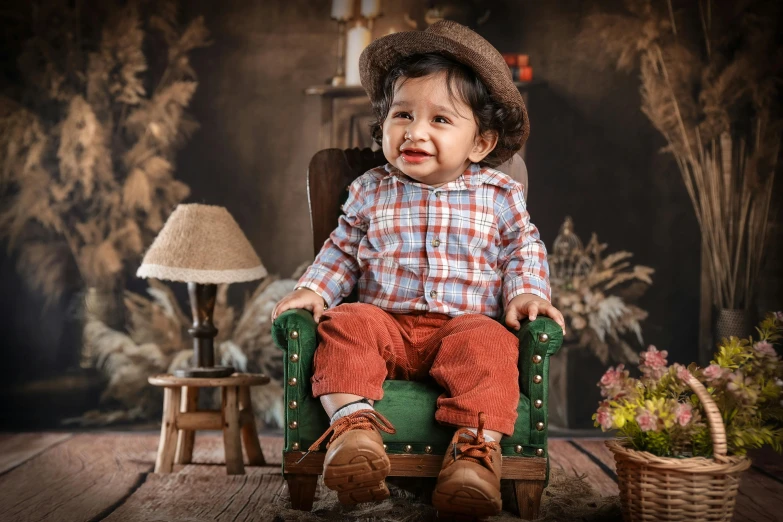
(465, 247)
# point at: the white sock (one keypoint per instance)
(348, 409)
(487, 436)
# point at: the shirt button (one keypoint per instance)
(433, 294)
(436, 242)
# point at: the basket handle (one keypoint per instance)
(714, 419)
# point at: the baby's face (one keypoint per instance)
(429, 135)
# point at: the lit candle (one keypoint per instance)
(358, 38)
(342, 9)
(371, 8)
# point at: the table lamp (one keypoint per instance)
(203, 246)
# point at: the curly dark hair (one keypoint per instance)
(461, 82)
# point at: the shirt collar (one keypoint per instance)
(473, 177)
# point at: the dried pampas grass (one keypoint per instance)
(86, 157)
(158, 342)
(594, 292)
(716, 102)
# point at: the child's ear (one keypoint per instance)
(485, 143)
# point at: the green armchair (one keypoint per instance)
(418, 447)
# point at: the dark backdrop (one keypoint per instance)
(592, 155)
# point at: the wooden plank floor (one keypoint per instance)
(108, 476)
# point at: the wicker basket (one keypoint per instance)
(661, 488)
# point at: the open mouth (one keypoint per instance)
(415, 155)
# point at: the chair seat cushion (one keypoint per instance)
(410, 407)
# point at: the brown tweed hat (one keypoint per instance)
(453, 40)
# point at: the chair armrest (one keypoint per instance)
(294, 331)
(298, 320)
(538, 341)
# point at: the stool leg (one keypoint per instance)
(231, 441)
(187, 438)
(255, 455)
(164, 463)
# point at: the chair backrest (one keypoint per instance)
(330, 173)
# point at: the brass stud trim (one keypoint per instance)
(293, 405)
(408, 448)
(294, 357)
(537, 359)
(539, 452)
(542, 337)
(295, 446)
(293, 425)
(427, 449)
(294, 334)
(538, 403)
(517, 449)
(292, 381)
(540, 426)
(537, 379)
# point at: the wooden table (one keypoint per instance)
(181, 420)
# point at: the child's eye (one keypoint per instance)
(440, 119)
(402, 115)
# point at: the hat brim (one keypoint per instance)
(382, 54)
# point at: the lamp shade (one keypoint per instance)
(201, 244)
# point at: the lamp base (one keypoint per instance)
(205, 373)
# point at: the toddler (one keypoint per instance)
(441, 246)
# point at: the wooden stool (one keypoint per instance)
(181, 420)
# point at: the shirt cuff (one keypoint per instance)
(320, 282)
(525, 284)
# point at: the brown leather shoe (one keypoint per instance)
(356, 464)
(469, 480)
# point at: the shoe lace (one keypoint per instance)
(473, 447)
(358, 420)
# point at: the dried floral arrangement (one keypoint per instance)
(158, 341)
(710, 76)
(595, 294)
(88, 137)
(659, 413)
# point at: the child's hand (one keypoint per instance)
(302, 298)
(531, 305)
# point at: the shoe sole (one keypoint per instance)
(362, 479)
(464, 503)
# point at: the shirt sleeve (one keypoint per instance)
(522, 259)
(335, 270)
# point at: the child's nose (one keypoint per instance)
(416, 131)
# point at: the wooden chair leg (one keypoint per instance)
(232, 443)
(255, 455)
(164, 462)
(187, 438)
(301, 489)
(529, 497)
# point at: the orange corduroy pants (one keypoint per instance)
(472, 357)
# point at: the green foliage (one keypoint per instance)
(660, 413)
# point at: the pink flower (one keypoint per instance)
(682, 372)
(779, 316)
(646, 419)
(653, 363)
(604, 417)
(765, 349)
(713, 372)
(612, 382)
(683, 413)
